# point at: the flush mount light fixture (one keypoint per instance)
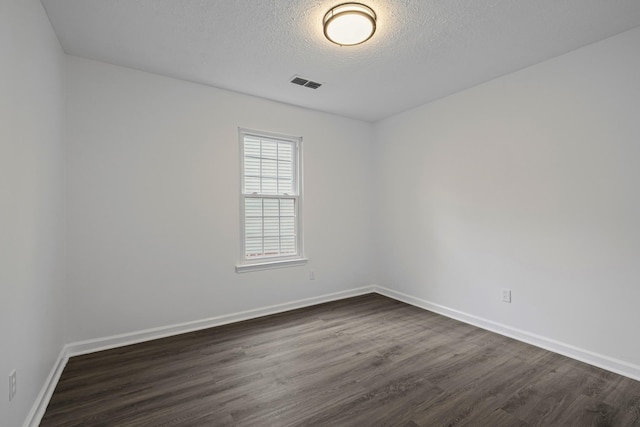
(349, 24)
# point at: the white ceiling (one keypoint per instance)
(422, 49)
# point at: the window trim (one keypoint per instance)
(267, 263)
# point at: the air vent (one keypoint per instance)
(299, 81)
(313, 85)
(305, 82)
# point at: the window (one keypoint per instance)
(270, 201)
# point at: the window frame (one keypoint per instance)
(280, 261)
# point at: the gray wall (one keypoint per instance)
(153, 179)
(528, 182)
(31, 203)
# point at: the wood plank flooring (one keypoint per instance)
(364, 361)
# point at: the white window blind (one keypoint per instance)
(270, 205)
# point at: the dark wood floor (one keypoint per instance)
(364, 361)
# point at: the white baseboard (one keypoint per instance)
(99, 344)
(601, 361)
(40, 406)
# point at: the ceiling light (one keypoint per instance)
(349, 24)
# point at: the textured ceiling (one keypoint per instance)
(422, 50)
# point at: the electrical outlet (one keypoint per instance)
(312, 275)
(12, 385)
(506, 295)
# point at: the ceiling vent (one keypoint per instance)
(305, 82)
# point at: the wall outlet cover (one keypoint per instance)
(506, 295)
(12, 385)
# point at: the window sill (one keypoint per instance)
(268, 265)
